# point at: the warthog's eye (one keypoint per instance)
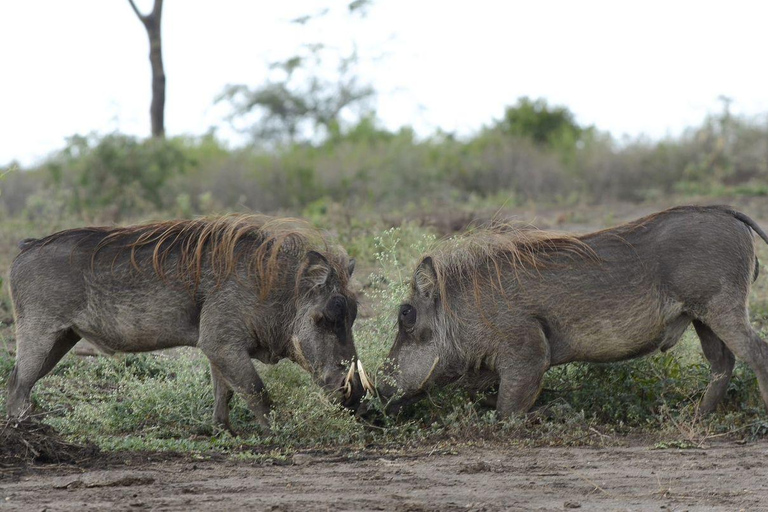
(408, 316)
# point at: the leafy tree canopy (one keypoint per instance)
(545, 125)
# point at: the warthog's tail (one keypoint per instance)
(27, 243)
(752, 224)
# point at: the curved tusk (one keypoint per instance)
(431, 371)
(299, 354)
(367, 385)
(348, 380)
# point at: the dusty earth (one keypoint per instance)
(724, 475)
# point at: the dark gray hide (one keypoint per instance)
(189, 283)
(607, 296)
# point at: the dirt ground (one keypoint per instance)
(722, 476)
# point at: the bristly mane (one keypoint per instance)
(266, 246)
(498, 248)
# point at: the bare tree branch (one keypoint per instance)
(136, 10)
(152, 25)
(157, 10)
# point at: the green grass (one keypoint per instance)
(164, 401)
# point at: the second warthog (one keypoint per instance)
(500, 306)
(237, 287)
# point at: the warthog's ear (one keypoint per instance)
(351, 267)
(425, 278)
(316, 270)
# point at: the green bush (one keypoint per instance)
(116, 172)
(535, 153)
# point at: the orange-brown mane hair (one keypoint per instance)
(265, 244)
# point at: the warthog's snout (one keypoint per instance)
(351, 387)
(392, 403)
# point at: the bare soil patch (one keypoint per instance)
(723, 476)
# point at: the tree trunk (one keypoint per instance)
(151, 23)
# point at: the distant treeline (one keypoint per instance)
(533, 153)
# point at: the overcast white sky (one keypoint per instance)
(650, 67)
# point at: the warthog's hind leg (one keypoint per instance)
(721, 360)
(36, 355)
(733, 328)
(222, 395)
(521, 369)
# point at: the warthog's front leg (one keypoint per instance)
(222, 395)
(234, 367)
(521, 365)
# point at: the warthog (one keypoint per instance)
(237, 287)
(502, 305)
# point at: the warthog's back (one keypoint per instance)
(653, 276)
(142, 287)
(609, 295)
(68, 281)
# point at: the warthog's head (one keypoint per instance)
(418, 357)
(322, 341)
